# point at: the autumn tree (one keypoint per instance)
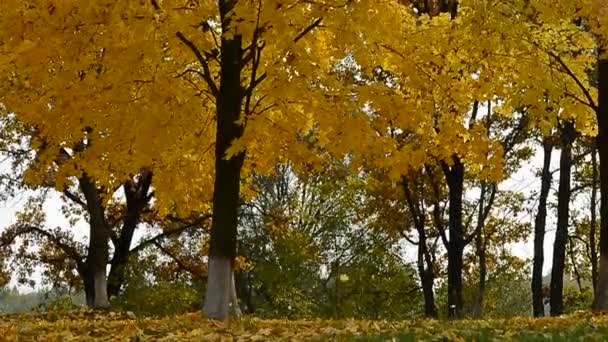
(581, 70)
(82, 111)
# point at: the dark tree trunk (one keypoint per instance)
(226, 192)
(480, 246)
(244, 284)
(137, 200)
(427, 278)
(593, 223)
(99, 236)
(601, 299)
(563, 206)
(577, 274)
(89, 287)
(455, 179)
(539, 232)
(425, 260)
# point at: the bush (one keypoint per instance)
(161, 299)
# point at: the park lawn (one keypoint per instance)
(86, 325)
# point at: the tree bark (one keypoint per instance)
(540, 222)
(601, 297)
(97, 257)
(137, 200)
(427, 278)
(455, 178)
(89, 287)
(226, 192)
(563, 206)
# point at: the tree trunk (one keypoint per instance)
(601, 298)
(99, 236)
(425, 261)
(243, 283)
(89, 287)
(577, 274)
(455, 179)
(100, 282)
(563, 206)
(480, 246)
(593, 223)
(539, 232)
(137, 201)
(427, 277)
(222, 248)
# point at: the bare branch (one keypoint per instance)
(74, 198)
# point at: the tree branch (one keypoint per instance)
(168, 233)
(203, 61)
(178, 261)
(71, 251)
(574, 78)
(74, 198)
(309, 28)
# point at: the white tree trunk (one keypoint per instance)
(100, 282)
(234, 301)
(220, 282)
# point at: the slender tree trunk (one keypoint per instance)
(563, 206)
(593, 223)
(601, 297)
(226, 192)
(425, 262)
(539, 232)
(428, 283)
(427, 277)
(577, 274)
(455, 179)
(480, 246)
(243, 283)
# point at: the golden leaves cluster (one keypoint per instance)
(115, 75)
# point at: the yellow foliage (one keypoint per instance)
(112, 326)
(117, 75)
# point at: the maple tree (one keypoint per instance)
(184, 105)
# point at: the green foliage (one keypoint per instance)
(59, 304)
(375, 286)
(159, 299)
(313, 256)
(145, 293)
(576, 299)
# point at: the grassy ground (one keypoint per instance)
(112, 326)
